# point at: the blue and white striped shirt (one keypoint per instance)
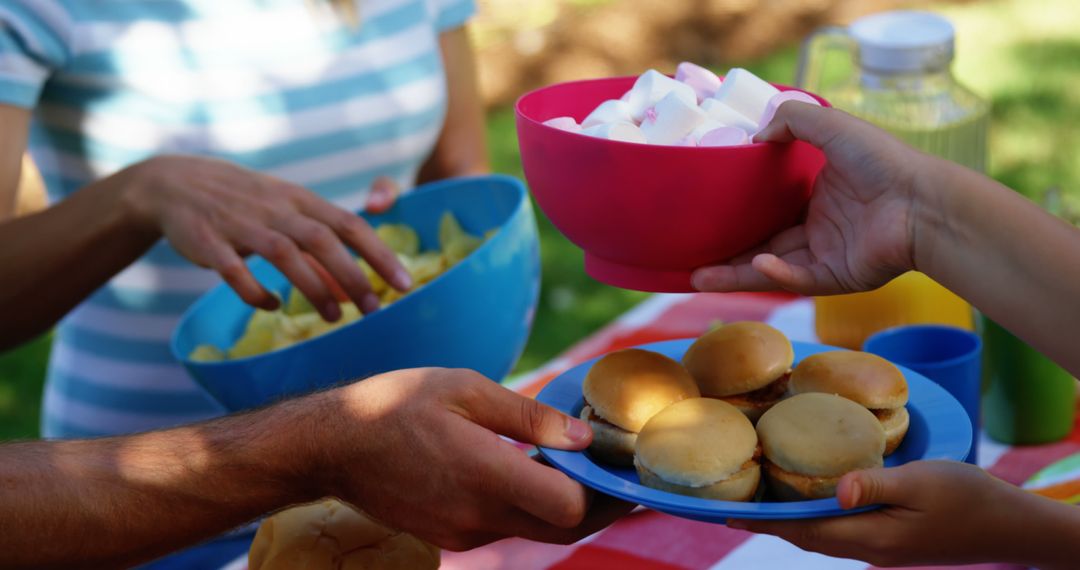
(279, 86)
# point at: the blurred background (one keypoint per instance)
(1022, 55)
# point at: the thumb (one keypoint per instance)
(803, 121)
(508, 413)
(871, 487)
(383, 194)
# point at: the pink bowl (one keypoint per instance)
(647, 216)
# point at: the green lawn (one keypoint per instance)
(1026, 59)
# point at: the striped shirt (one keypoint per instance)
(279, 86)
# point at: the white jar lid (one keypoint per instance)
(903, 41)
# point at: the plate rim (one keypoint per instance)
(926, 396)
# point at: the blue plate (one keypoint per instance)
(939, 430)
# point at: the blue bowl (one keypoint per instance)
(939, 430)
(476, 315)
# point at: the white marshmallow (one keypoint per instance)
(746, 93)
(704, 82)
(672, 119)
(725, 136)
(727, 116)
(653, 86)
(688, 140)
(708, 125)
(611, 111)
(564, 124)
(625, 132)
(780, 98)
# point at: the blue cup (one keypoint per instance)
(950, 356)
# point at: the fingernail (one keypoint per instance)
(402, 281)
(370, 303)
(577, 430)
(332, 311)
(856, 492)
(695, 281)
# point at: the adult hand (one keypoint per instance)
(428, 460)
(382, 196)
(859, 230)
(937, 512)
(214, 213)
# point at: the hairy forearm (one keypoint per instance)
(51, 260)
(118, 501)
(1039, 533)
(1014, 262)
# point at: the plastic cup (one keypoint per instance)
(950, 356)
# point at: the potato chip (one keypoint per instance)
(207, 353)
(401, 238)
(297, 304)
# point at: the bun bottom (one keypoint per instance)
(896, 423)
(610, 443)
(787, 486)
(741, 486)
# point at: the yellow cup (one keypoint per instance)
(912, 298)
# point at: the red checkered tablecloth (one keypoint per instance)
(647, 540)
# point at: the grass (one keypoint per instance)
(1025, 59)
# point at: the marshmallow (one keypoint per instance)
(780, 98)
(672, 119)
(708, 125)
(727, 116)
(725, 136)
(564, 124)
(746, 93)
(611, 111)
(704, 82)
(625, 132)
(688, 140)
(653, 86)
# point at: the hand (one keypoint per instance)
(428, 460)
(937, 512)
(383, 195)
(859, 228)
(214, 213)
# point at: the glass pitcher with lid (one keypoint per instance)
(893, 69)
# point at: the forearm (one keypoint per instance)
(1014, 262)
(461, 148)
(52, 260)
(119, 501)
(1037, 532)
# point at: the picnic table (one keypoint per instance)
(648, 540)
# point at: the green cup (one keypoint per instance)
(1027, 398)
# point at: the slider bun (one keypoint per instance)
(896, 425)
(737, 358)
(331, 535)
(628, 387)
(821, 435)
(788, 486)
(741, 486)
(696, 443)
(861, 377)
(610, 443)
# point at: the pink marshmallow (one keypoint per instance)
(564, 124)
(724, 136)
(704, 82)
(779, 99)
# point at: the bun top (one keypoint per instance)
(821, 435)
(738, 358)
(861, 377)
(628, 387)
(696, 442)
(332, 535)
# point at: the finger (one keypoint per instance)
(323, 244)
(807, 277)
(541, 491)
(725, 278)
(228, 263)
(873, 487)
(284, 254)
(603, 512)
(384, 192)
(803, 121)
(358, 234)
(508, 413)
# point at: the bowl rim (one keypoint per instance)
(204, 298)
(752, 144)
